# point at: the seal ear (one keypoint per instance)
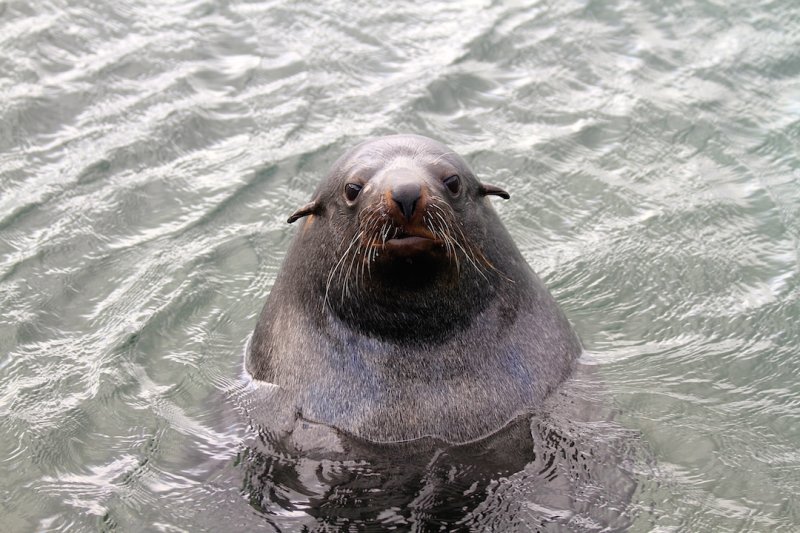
(491, 189)
(311, 208)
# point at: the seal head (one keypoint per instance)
(403, 308)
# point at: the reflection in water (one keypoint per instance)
(555, 469)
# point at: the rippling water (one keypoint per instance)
(149, 156)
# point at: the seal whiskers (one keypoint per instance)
(334, 269)
(458, 242)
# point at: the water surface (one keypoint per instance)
(150, 154)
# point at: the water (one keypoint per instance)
(149, 155)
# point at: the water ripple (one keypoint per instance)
(149, 156)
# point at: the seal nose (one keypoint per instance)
(406, 195)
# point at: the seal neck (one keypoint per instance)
(413, 304)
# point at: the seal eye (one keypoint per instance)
(453, 184)
(351, 191)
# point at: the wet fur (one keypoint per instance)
(452, 345)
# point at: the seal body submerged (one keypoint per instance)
(403, 308)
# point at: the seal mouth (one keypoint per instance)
(410, 245)
(404, 243)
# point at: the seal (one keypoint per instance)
(403, 308)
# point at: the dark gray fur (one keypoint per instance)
(455, 358)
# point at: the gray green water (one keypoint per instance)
(150, 153)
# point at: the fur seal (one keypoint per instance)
(403, 308)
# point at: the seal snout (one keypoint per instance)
(406, 196)
(405, 199)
